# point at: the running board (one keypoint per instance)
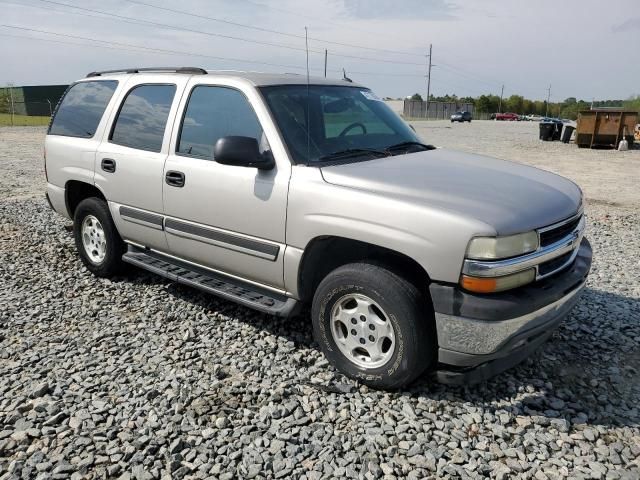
(228, 288)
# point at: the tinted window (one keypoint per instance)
(81, 109)
(317, 121)
(350, 116)
(143, 117)
(215, 112)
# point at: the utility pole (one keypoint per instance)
(548, 98)
(11, 97)
(500, 105)
(429, 80)
(325, 63)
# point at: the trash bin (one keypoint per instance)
(566, 135)
(546, 131)
(557, 131)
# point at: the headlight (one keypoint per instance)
(493, 248)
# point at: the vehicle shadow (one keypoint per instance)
(587, 373)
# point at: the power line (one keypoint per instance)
(64, 42)
(158, 24)
(141, 48)
(219, 35)
(137, 21)
(66, 12)
(159, 50)
(461, 72)
(277, 32)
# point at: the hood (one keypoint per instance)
(510, 197)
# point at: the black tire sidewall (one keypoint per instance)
(112, 263)
(408, 312)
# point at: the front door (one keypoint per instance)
(228, 218)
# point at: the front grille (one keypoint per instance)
(558, 233)
(552, 265)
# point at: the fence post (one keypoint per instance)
(10, 85)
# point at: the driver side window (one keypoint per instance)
(215, 112)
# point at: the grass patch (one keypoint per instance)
(23, 120)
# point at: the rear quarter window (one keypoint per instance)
(81, 108)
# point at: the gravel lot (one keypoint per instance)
(141, 378)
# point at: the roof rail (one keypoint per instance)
(189, 70)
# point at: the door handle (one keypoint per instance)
(175, 179)
(108, 165)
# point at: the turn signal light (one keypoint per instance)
(479, 285)
(497, 284)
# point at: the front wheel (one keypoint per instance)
(374, 326)
(97, 240)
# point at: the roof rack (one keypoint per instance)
(189, 70)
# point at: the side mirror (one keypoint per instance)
(241, 152)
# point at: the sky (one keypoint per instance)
(581, 48)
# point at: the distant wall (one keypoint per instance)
(35, 100)
(437, 110)
(396, 105)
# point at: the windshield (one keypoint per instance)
(322, 122)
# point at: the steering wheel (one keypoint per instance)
(348, 128)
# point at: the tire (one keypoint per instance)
(106, 261)
(413, 349)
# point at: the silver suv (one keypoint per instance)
(277, 191)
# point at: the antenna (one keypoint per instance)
(306, 44)
(344, 76)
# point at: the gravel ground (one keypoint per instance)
(607, 177)
(141, 378)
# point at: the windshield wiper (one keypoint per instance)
(402, 145)
(353, 152)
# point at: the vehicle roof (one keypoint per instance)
(262, 79)
(258, 79)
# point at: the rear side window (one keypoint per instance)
(81, 108)
(215, 112)
(143, 117)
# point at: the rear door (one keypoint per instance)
(223, 217)
(130, 159)
(75, 134)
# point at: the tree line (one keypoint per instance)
(568, 108)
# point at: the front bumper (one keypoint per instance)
(482, 335)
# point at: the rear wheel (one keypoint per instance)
(374, 325)
(97, 240)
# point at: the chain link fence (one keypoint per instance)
(26, 114)
(15, 110)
